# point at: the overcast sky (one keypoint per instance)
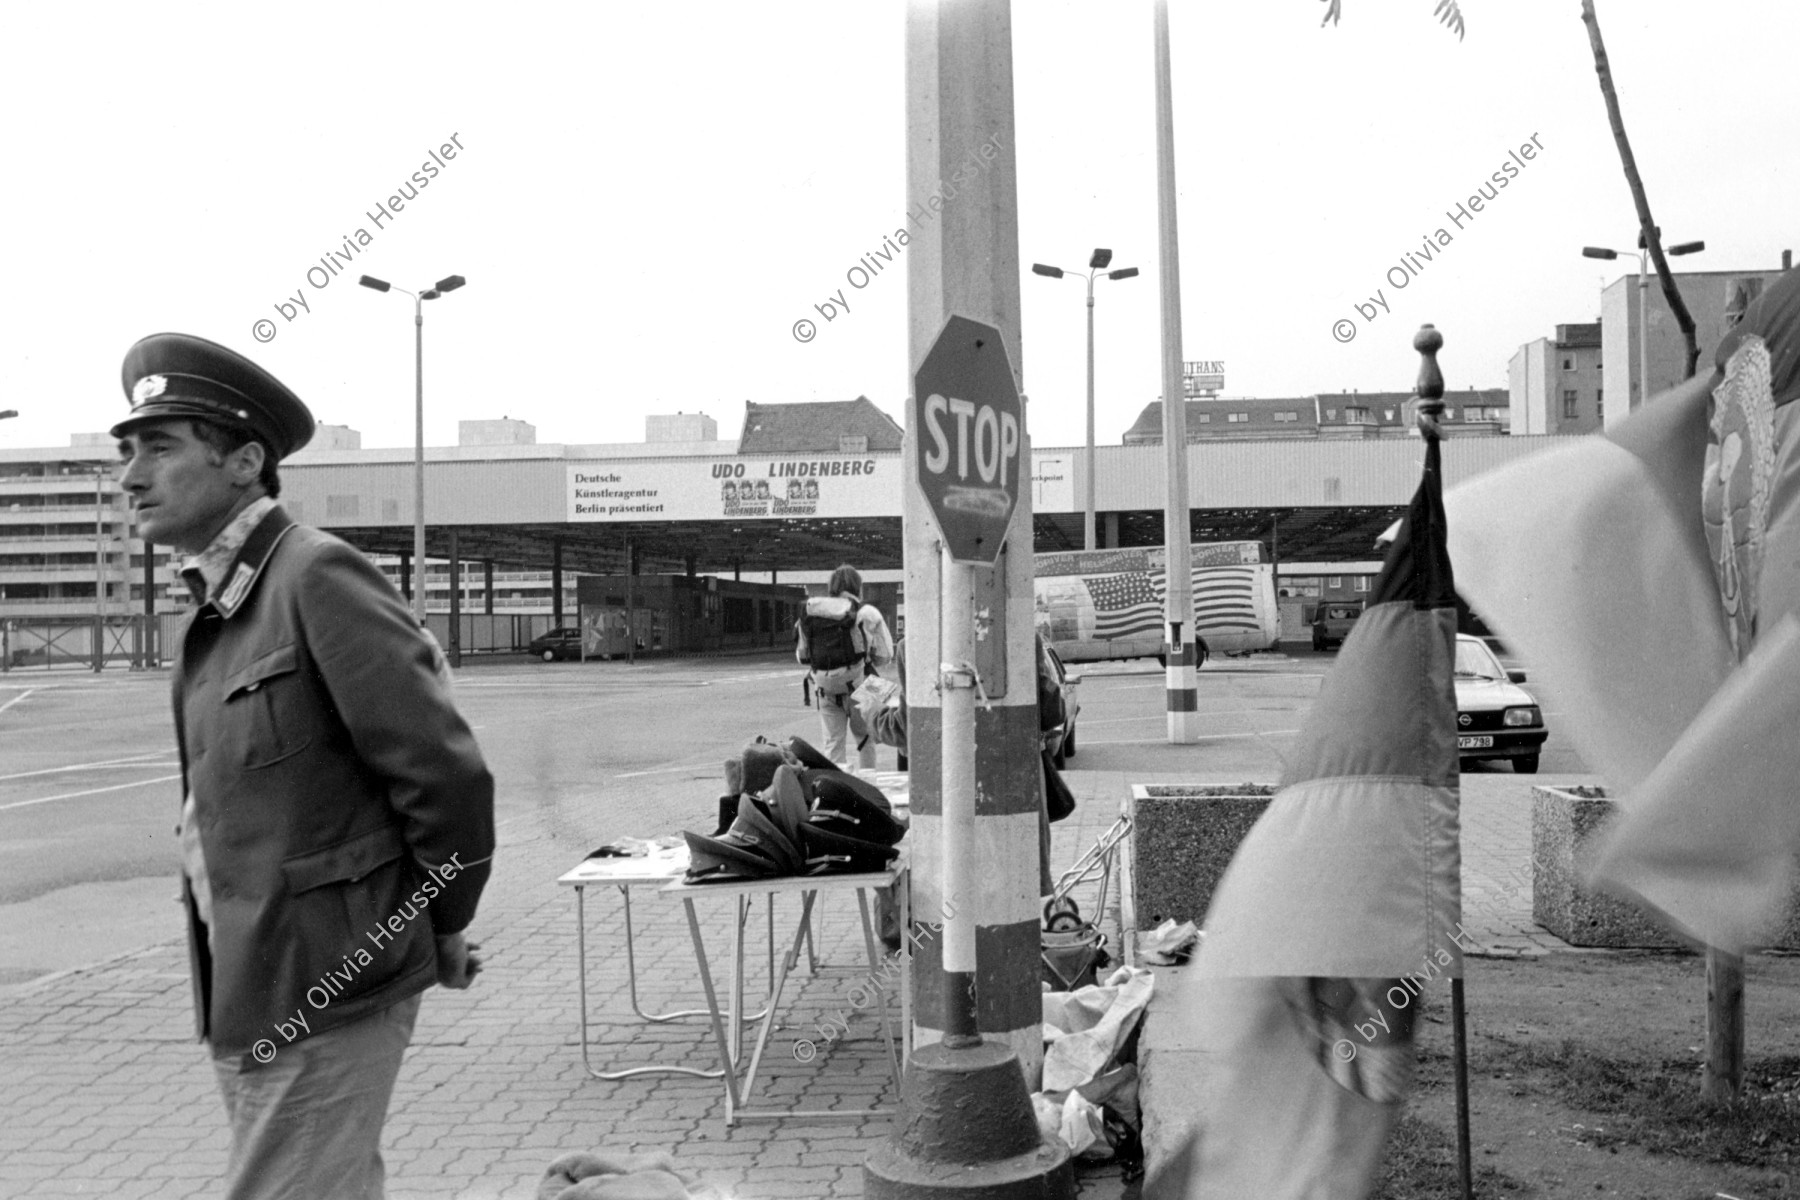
(650, 196)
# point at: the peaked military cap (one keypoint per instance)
(788, 802)
(175, 375)
(808, 756)
(844, 809)
(755, 826)
(722, 859)
(754, 768)
(829, 853)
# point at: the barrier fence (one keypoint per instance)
(48, 643)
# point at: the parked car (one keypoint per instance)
(1495, 718)
(1332, 622)
(557, 644)
(1059, 702)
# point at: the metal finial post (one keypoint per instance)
(1429, 391)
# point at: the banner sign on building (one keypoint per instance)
(1052, 483)
(762, 487)
(1201, 378)
(735, 489)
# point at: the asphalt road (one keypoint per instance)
(581, 752)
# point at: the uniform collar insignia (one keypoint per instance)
(252, 556)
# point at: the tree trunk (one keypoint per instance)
(1652, 236)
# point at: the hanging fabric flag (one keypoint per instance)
(1342, 904)
(1636, 571)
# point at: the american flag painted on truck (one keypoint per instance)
(1109, 603)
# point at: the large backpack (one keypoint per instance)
(829, 624)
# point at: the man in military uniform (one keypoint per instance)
(337, 819)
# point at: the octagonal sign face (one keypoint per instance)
(967, 431)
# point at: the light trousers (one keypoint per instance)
(307, 1124)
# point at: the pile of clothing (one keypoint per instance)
(789, 810)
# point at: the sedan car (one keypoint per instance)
(1495, 718)
(557, 644)
(1059, 703)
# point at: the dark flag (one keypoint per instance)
(1341, 906)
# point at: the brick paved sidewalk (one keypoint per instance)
(107, 1095)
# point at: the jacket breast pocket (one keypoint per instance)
(268, 711)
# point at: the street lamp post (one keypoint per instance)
(1096, 264)
(449, 284)
(1643, 304)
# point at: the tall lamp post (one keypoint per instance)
(1643, 304)
(448, 284)
(1096, 265)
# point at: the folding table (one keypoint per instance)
(739, 1076)
(658, 870)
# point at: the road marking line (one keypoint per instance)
(136, 760)
(1205, 737)
(665, 770)
(117, 787)
(16, 699)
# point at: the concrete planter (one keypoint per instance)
(1566, 823)
(1182, 837)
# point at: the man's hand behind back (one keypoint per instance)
(457, 964)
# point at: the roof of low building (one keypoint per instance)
(816, 427)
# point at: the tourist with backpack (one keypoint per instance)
(843, 640)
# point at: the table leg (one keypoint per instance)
(777, 987)
(903, 893)
(631, 968)
(581, 972)
(726, 1060)
(875, 975)
(737, 981)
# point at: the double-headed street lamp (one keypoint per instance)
(448, 284)
(1096, 265)
(1643, 303)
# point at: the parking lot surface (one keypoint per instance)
(110, 1095)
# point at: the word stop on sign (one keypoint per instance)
(992, 450)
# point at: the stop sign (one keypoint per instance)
(967, 429)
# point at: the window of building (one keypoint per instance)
(1568, 364)
(1287, 416)
(1356, 416)
(1569, 404)
(1237, 418)
(1599, 402)
(1203, 418)
(1331, 414)
(1360, 583)
(1334, 581)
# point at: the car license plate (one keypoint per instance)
(1485, 742)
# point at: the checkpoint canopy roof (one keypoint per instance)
(806, 500)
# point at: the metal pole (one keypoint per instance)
(1643, 328)
(1459, 1023)
(960, 862)
(419, 460)
(456, 586)
(1180, 682)
(99, 568)
(150, 658)
(1092, 534)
